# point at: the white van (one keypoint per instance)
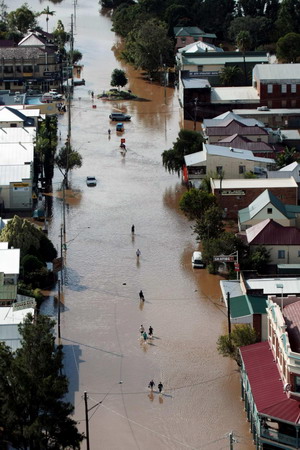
(197, 261)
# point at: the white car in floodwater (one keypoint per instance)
(91, 181)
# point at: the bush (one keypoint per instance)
(31, 263)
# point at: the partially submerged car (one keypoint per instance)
(91, 181)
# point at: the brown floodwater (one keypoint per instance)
(101, 312)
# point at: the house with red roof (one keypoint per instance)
(270, 375)
(283, 243)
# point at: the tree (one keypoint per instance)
(118, 78)
(22, 234)
(259, 28)
(288, 17)
(225, 244)
(48, 13)
(61, 37)
(241, 335)
(68, 159)
(33, 414)
(22, 19)
(252, 8)
(230, 75)
(45, 146)
(213, 15)
(286, 157)
(243, 41)
(76, 56)
(210, 224)
(195, 202)
(259, 259)
(187, 142)
(148, 47)
(288, 48)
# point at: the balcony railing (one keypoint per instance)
(274, 435)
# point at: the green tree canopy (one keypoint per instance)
(195, 202)
(210, 224)
(33, 413)
(22, 19)
(225, 244)
(286, 157)
(22, 234)
(68, 159)
(187, 142)
(61, 37)
(288, 48)
(288, 17)
(47, 11)
(259, 259)
(241, 335)
(230, 75)
(148, 47)
(118, 78)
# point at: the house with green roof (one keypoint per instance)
(250, 309)
(268, 206)
(188, 35)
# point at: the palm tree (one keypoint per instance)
(230, 75)
(48, 13)
(243, 41)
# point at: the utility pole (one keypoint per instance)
(228, 313)
(61, 257)
(58, 312)
(86, 421)
(231, 440)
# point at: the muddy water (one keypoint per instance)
(101, 312)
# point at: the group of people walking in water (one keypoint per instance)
(144, 335)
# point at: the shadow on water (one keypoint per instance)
(72, 354)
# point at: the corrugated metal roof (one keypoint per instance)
(17, 134)
(268, 286)
(277, 72)
(246, 305)
(16, 153)
(291, 314)
(253, 183)
(10, 261)
(220, 59)
(231, 286)
(261, 202)
(232, 126)
(269, 232)
(15, 173)
(266, 385)
(9, 316)
(239, 141)
(230, 152)
(218, 120)
(238, 94)
(195, 83)
(199, 47)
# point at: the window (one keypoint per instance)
(283, 103)
(200, 68)
(27, 69)
(258, 139)
(219, 170)
(8, 69)
(298, 253)
(293, 103)
(296, 383)
(281, 254)
(242, 169)
(270, 88)
(283, 89)
(269, 210)
(293, 88)
(13, 125)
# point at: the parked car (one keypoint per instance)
(55, 94)
(119, 116)
(91, 181)
(197, 261)
(120, 127)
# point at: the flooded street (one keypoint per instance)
(101, 312)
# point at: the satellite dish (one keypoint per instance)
(287, 387)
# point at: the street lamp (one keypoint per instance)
(280, 286)
(195, 112)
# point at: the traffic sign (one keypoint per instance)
(236, 267)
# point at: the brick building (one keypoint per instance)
(235, 194)
(278, 85)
